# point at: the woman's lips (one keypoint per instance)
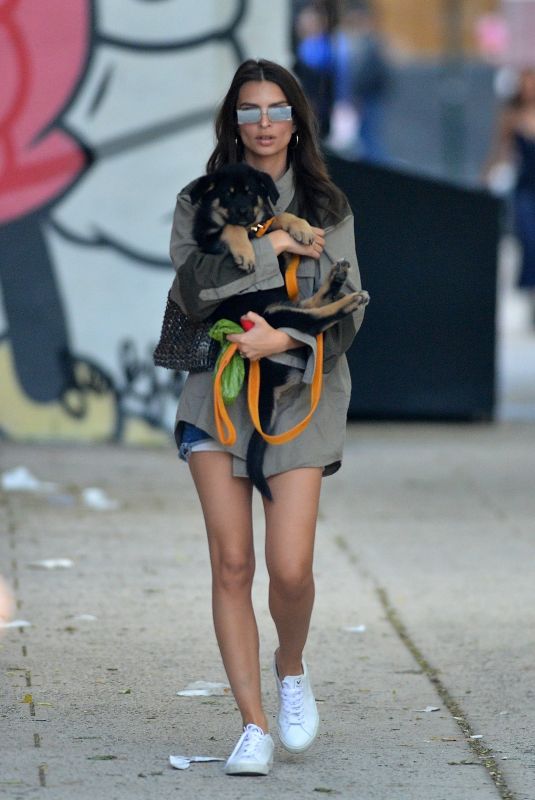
(265, 140)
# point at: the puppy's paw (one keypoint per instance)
(338, 275)
(356, 300)
(244, 259)
(300, 230)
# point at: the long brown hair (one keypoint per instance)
(318, 199)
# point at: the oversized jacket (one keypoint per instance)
(203, 281)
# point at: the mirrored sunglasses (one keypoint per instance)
(275, 114)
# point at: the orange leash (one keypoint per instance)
(253, 394)
(222, 419)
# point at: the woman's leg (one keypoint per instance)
(290, 530)
(226, 503)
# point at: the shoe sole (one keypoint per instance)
(248, 769)
(295, 750)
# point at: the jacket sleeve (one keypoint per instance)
(203, 281)
(340, 243)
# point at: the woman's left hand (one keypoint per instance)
(261, 340)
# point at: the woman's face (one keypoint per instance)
(264, 138)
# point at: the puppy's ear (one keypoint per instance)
(201, 187)
(267, 185)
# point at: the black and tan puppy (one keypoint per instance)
(231, 200)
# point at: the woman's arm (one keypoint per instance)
(262, 339)
(339, 244)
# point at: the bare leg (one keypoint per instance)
(290, 531)
(226, 505)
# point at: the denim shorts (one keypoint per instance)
(194, 440)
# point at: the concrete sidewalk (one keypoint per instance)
(426, 537)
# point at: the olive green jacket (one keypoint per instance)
(203, 281)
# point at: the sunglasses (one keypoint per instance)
(274, 113)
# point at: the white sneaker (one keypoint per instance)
(253, 755)
(298, 718)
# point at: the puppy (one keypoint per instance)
(231, 200)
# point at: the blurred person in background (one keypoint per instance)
(362, 76)
(515, 144)
(313, 65)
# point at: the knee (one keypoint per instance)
(233, 573)
(292, 583)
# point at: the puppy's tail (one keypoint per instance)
(255, 463)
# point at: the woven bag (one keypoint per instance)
(184, 344)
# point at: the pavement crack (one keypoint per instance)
(484, 754)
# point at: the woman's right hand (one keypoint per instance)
(283, 243)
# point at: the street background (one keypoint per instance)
(422, 642)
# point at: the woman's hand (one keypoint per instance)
(283, 243)
(261, 340)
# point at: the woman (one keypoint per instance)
(282, 143)
(515, 143)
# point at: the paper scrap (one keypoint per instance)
(477, 736)
(52, 563)
(20, 479)
(204, 689)
(355, 628)
(183, 762)
(86, 618)
(16, 623)
(98, 500)
(427, 709)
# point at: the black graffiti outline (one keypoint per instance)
(227, 32)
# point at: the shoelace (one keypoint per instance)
(292, 703)
(252, 737)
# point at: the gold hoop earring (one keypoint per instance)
(296, 141)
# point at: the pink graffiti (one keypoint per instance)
(43, 47)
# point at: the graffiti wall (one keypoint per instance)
(106, 112)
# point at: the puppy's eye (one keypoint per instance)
(246, 188)
(231, 190)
